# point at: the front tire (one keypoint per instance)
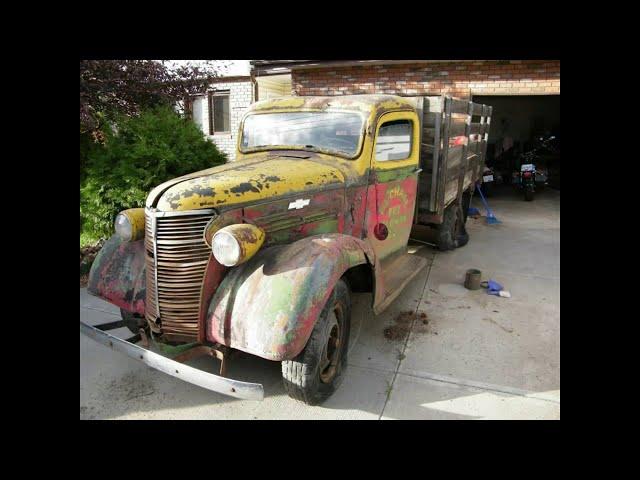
(316, 372)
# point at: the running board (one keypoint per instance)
(403, 271)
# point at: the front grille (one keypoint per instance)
(177, 258)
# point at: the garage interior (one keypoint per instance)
(521, 120)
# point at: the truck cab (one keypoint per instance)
(260, 255)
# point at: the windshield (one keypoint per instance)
(335, 131)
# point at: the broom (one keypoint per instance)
(491, 218)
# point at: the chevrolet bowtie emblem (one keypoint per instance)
(298, 204)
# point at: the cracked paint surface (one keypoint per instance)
(269, 305)
(271, 178)
(118, 274)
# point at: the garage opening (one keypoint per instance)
(518, 124)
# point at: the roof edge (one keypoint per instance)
(278, 67)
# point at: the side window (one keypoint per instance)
(394, 141)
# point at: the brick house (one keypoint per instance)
(219, 110)
(525, 94)
(460, 78)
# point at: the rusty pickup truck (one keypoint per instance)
(260, 255)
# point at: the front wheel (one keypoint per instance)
(317, 371)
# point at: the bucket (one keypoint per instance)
(472, 279)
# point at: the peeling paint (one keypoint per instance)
(117, 274)
(268, 305)
(279, 294)
(247, 184)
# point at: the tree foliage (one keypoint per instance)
(143, 152)
(109, 88)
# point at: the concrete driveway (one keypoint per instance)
(475, 356)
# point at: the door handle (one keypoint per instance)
(417, 170)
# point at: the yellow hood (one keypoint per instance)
(244, 182)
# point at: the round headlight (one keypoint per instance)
(123, 227)
(129, 224)
(235, 244)
(225, 248)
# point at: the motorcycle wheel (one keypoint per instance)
(528, 195)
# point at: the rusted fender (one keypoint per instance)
(269, 305)
(118, 274)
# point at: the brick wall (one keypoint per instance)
(240, 97)
(460, 79)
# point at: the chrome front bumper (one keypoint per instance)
(215, 383)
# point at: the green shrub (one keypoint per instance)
(140, 154)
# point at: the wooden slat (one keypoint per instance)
(428, 134)
(464, 165)
(459, 106)
(477, 129)
(442, 119)
(457, 128)
(441, 193)
(453, 155)
(427, 148)
(433, 104)
(450, 190)
(436, 159)
(429, 119)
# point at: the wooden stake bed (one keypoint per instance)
(454, 135)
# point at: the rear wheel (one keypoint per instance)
(466, 203)
(452, 232)
(528, 194)
(317, 371)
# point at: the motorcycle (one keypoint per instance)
(487, 181)
(529, 176)
(525, 179)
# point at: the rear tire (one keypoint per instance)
(316, 372)
(452, 232)
(466, 203)
(463, 237)
(528, 195)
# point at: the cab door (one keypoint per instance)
(392, 192)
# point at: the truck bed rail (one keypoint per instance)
(453, 151)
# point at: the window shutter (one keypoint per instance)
(188, 108)
(210, 100)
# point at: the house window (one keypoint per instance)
(219, 113)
